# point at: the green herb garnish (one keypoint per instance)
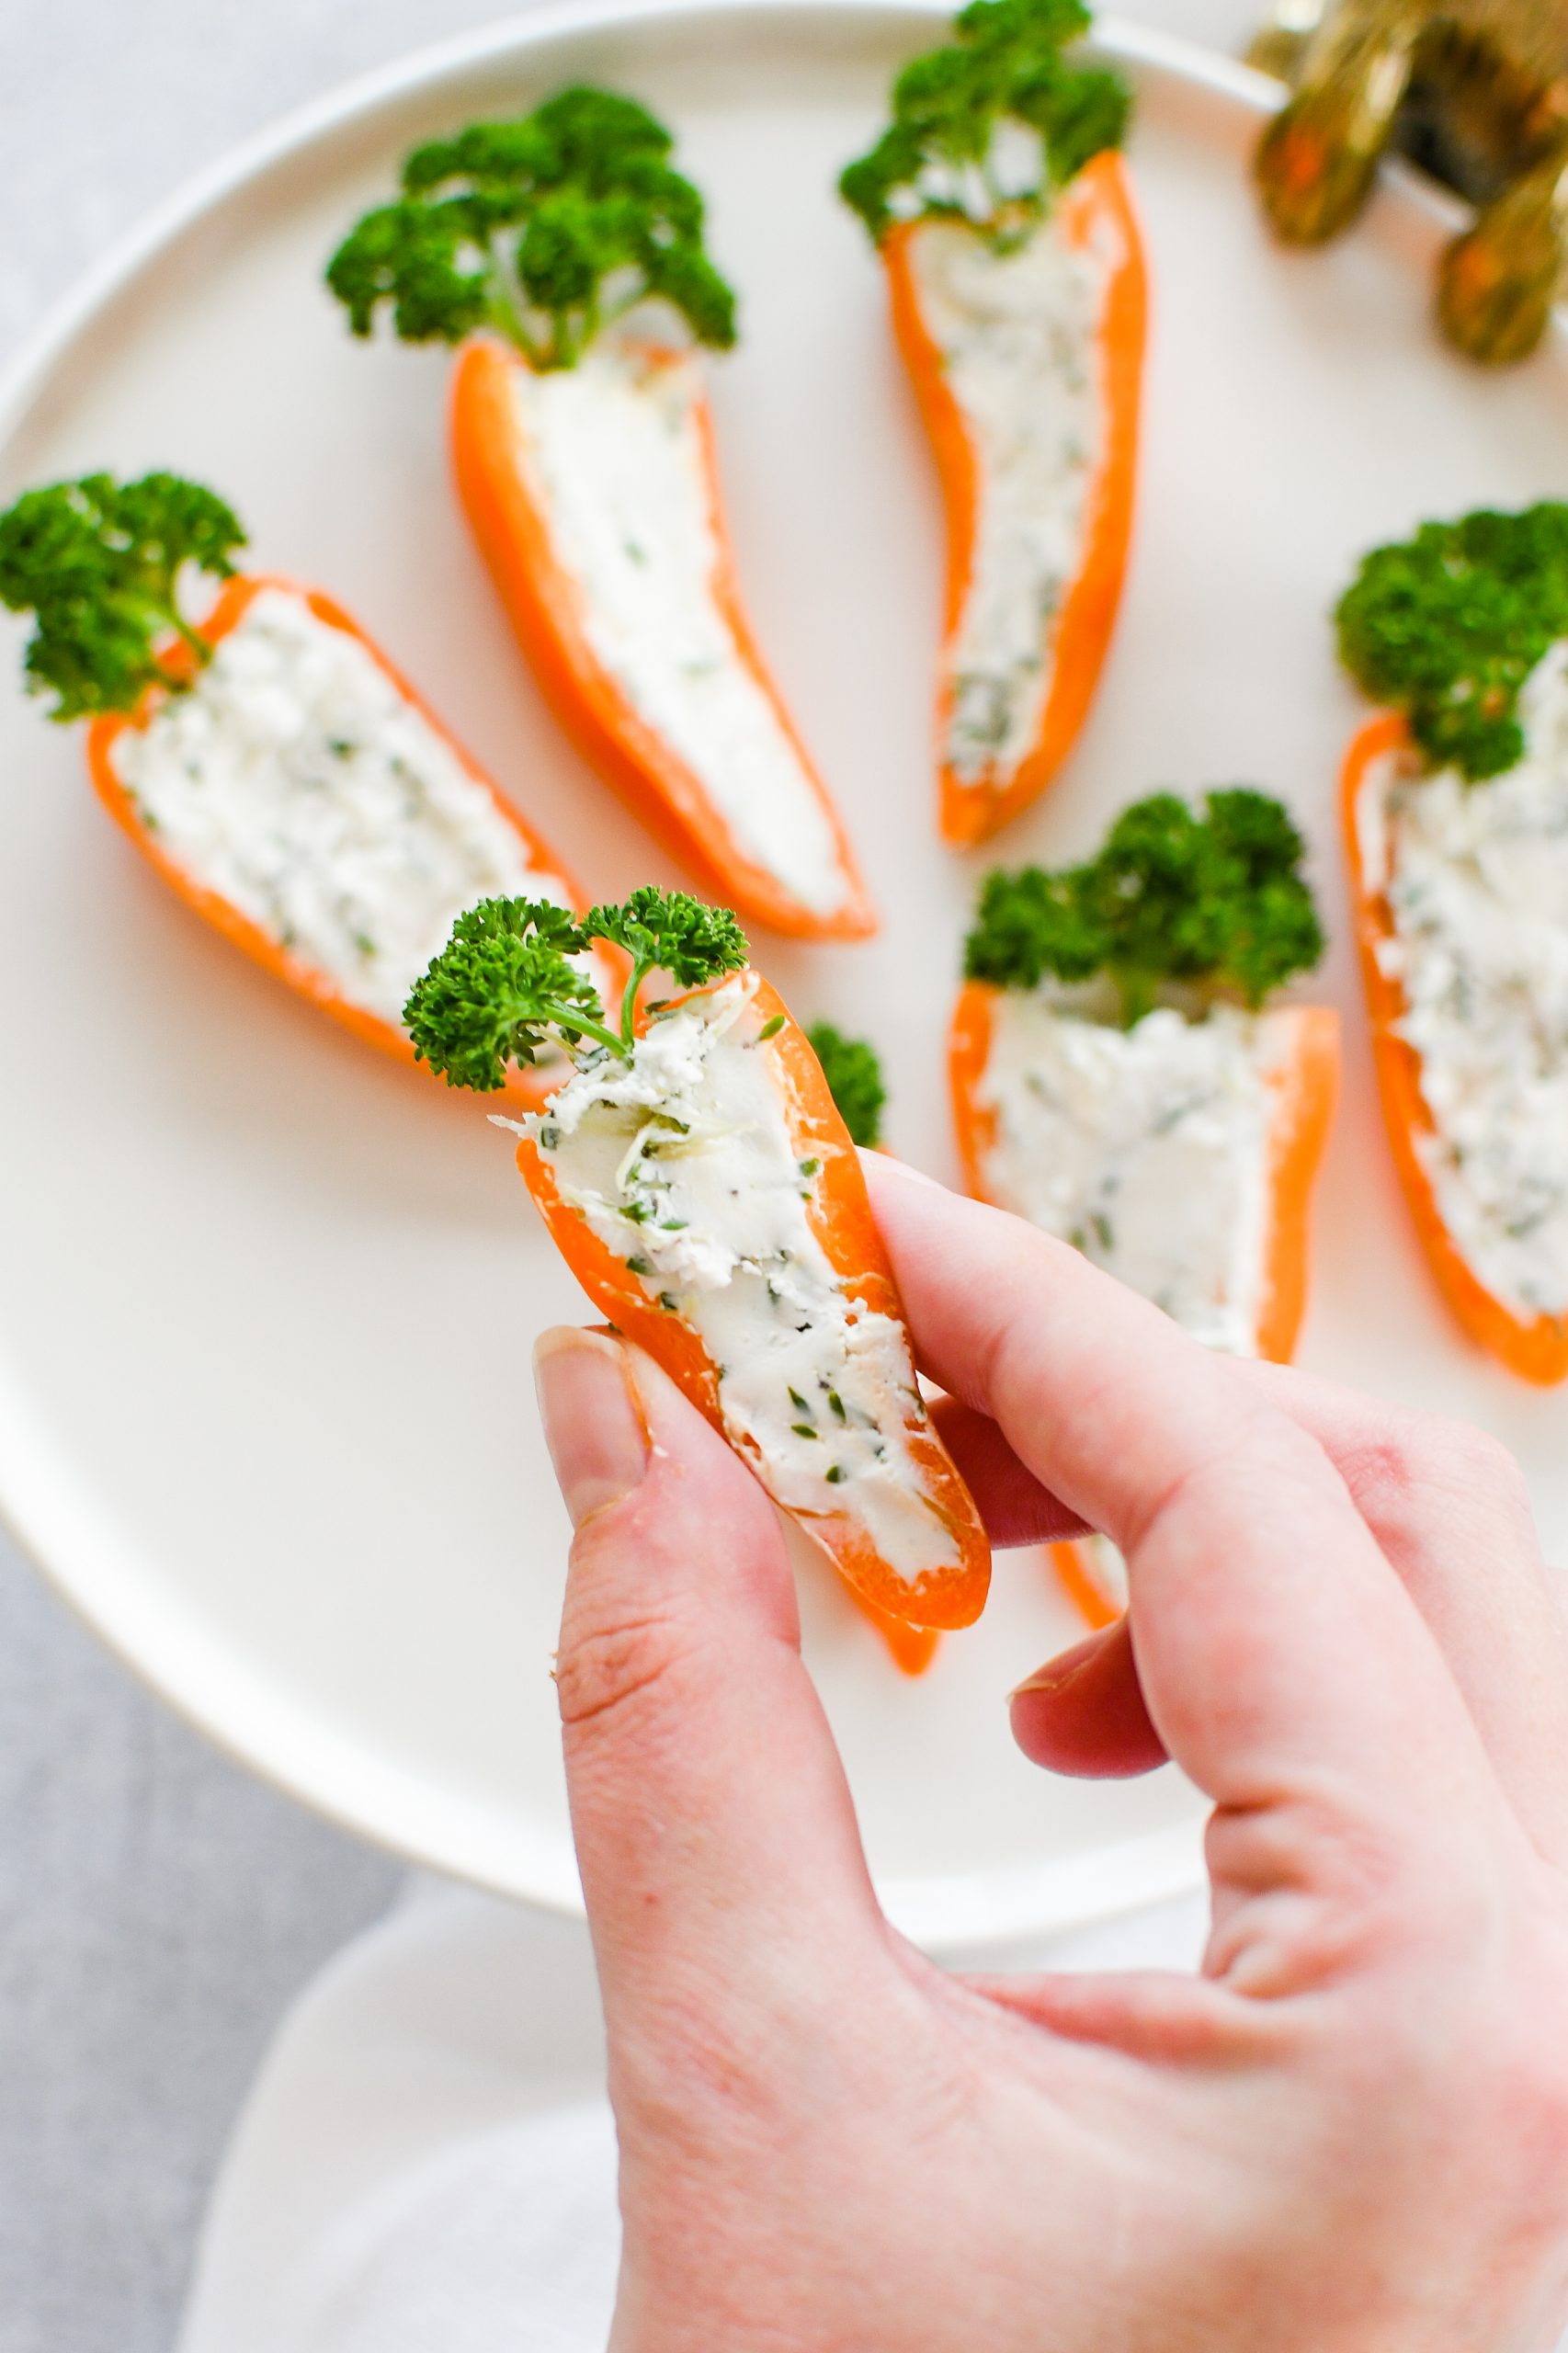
(98, 563)
(668, 931)
(506, 986)
(546, 230)
(946, 155)
(1448, 625)
(1214, 901)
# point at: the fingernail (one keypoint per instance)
(1057, 1672)
(592, 1423)
(872, 1158)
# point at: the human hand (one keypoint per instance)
(1350, 2131)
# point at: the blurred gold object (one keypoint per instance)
(1476, 91)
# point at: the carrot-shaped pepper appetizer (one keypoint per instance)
(269, 761)
(698, 1181)
(565, 254)
(1121, 1078)
(1456, 825)
(1005, 218)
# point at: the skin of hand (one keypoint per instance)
(1349, 2131)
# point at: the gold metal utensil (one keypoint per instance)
(1475, 91)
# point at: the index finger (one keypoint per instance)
(1273, 1642)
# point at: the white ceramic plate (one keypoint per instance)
(266, 1304)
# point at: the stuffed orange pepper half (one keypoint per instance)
(1123, 1077)
(566, 256)
(698, 1179)
(269, 761)
(1456, 823)
(1004, 218)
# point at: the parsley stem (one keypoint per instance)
(571, 1017)
(640, 972)
(506, 319)
(193, 638)
(163, 613)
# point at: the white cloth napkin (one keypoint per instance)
(426, 2162)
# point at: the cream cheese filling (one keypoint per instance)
(1018, 335)
(1475, 877)
(1146, 1148)
(682, 1161)
(613, 451)
(294, 781)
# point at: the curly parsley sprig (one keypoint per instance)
(946, 155)
(98, 563)
(1448, 625)
(506, 986)
(1212, 900)
(546, 230)
(668, 931)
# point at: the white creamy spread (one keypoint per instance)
(1476, 882)
(295, 780)
(613, 449)
(1018, 334)
(682, 1161)
(1146, 1148)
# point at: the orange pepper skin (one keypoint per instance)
(968, 1053)
(1070, 1560)
(305, 979)
(911, 1648)
(841, 1216)
(1100, 197)
(545, 607)
(1536, 1348)
(1307, 1092)
(1303, 1113)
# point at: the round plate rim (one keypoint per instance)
(206, 1688)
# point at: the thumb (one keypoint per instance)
(715, 1834)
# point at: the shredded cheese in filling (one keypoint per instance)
(1018, 335)
(294, 781)
(1146, 1148)
(683, 1163)
(613, 450)
(1475, 878)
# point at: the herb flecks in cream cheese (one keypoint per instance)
(1146, 1148)
(1018, 337)
(297, 783)
(614, 450)
(683, 1161)
(1475, 878)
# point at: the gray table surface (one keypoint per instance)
(158, 1907)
